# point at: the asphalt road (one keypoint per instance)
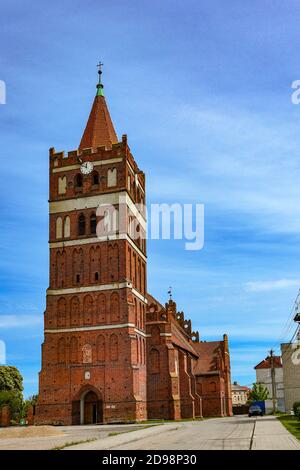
(235, 433)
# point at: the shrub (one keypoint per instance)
(297, 412)
(295, 406)
(13, 398)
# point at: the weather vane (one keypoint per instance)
(170, 292)
(100, 70)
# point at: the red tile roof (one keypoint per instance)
(179, 339)
(209, 357)
(266, 363)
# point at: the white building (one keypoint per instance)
(239, 394)
(291, 373)
(264, 377)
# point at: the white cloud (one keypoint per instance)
(263, 286)
(19, 321)
(237, 160)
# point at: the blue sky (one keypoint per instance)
(203, 90)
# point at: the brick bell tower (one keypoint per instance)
(93, 355)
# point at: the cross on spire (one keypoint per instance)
(100, 70)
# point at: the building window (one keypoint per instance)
(78, 180)
(93, 224)
(59, 227)
(112, 177)
(77, 278)
(67, 228)
(81, 225)
(95, 177)
(96, 276)
(62, 185)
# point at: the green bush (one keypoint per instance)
(295, 406)
(14, 399)
(297, 412)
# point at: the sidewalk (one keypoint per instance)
(270, 434)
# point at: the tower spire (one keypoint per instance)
(99, 130)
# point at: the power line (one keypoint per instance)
(289, 322)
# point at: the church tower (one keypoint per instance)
(94, 351)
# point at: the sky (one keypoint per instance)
(203, 91)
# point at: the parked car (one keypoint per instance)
(255, 410)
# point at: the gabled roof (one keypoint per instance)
(266, 363)
(152, 300)
(99, 130)
(239, 388)
(210, 355)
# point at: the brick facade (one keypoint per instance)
(99, 335)
(186, 378)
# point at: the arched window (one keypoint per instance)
(95, 177)
(59, 227)
(112, 177)
(78, 180)
(154, 361)
(213, 386)
(93, 224)
(81, 225)
(87, 354)
(67, 227)
(62, 185)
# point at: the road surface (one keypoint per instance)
(235, 433)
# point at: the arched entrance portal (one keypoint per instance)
(87, 408)
(90, 408)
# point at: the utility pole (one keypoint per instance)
(273, 380)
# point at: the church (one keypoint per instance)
(112, 353)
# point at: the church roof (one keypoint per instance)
(210, 353)
(99, 130)
(181, 341)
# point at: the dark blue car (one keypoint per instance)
(255, 410)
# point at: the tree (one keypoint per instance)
(258, 393)
(12, 398)
(11, 388)
(10, 379)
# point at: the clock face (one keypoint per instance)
(86, 168)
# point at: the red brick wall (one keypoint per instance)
(5, 416)
(100, 345)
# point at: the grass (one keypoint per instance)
(291, 423)
(73, 443)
